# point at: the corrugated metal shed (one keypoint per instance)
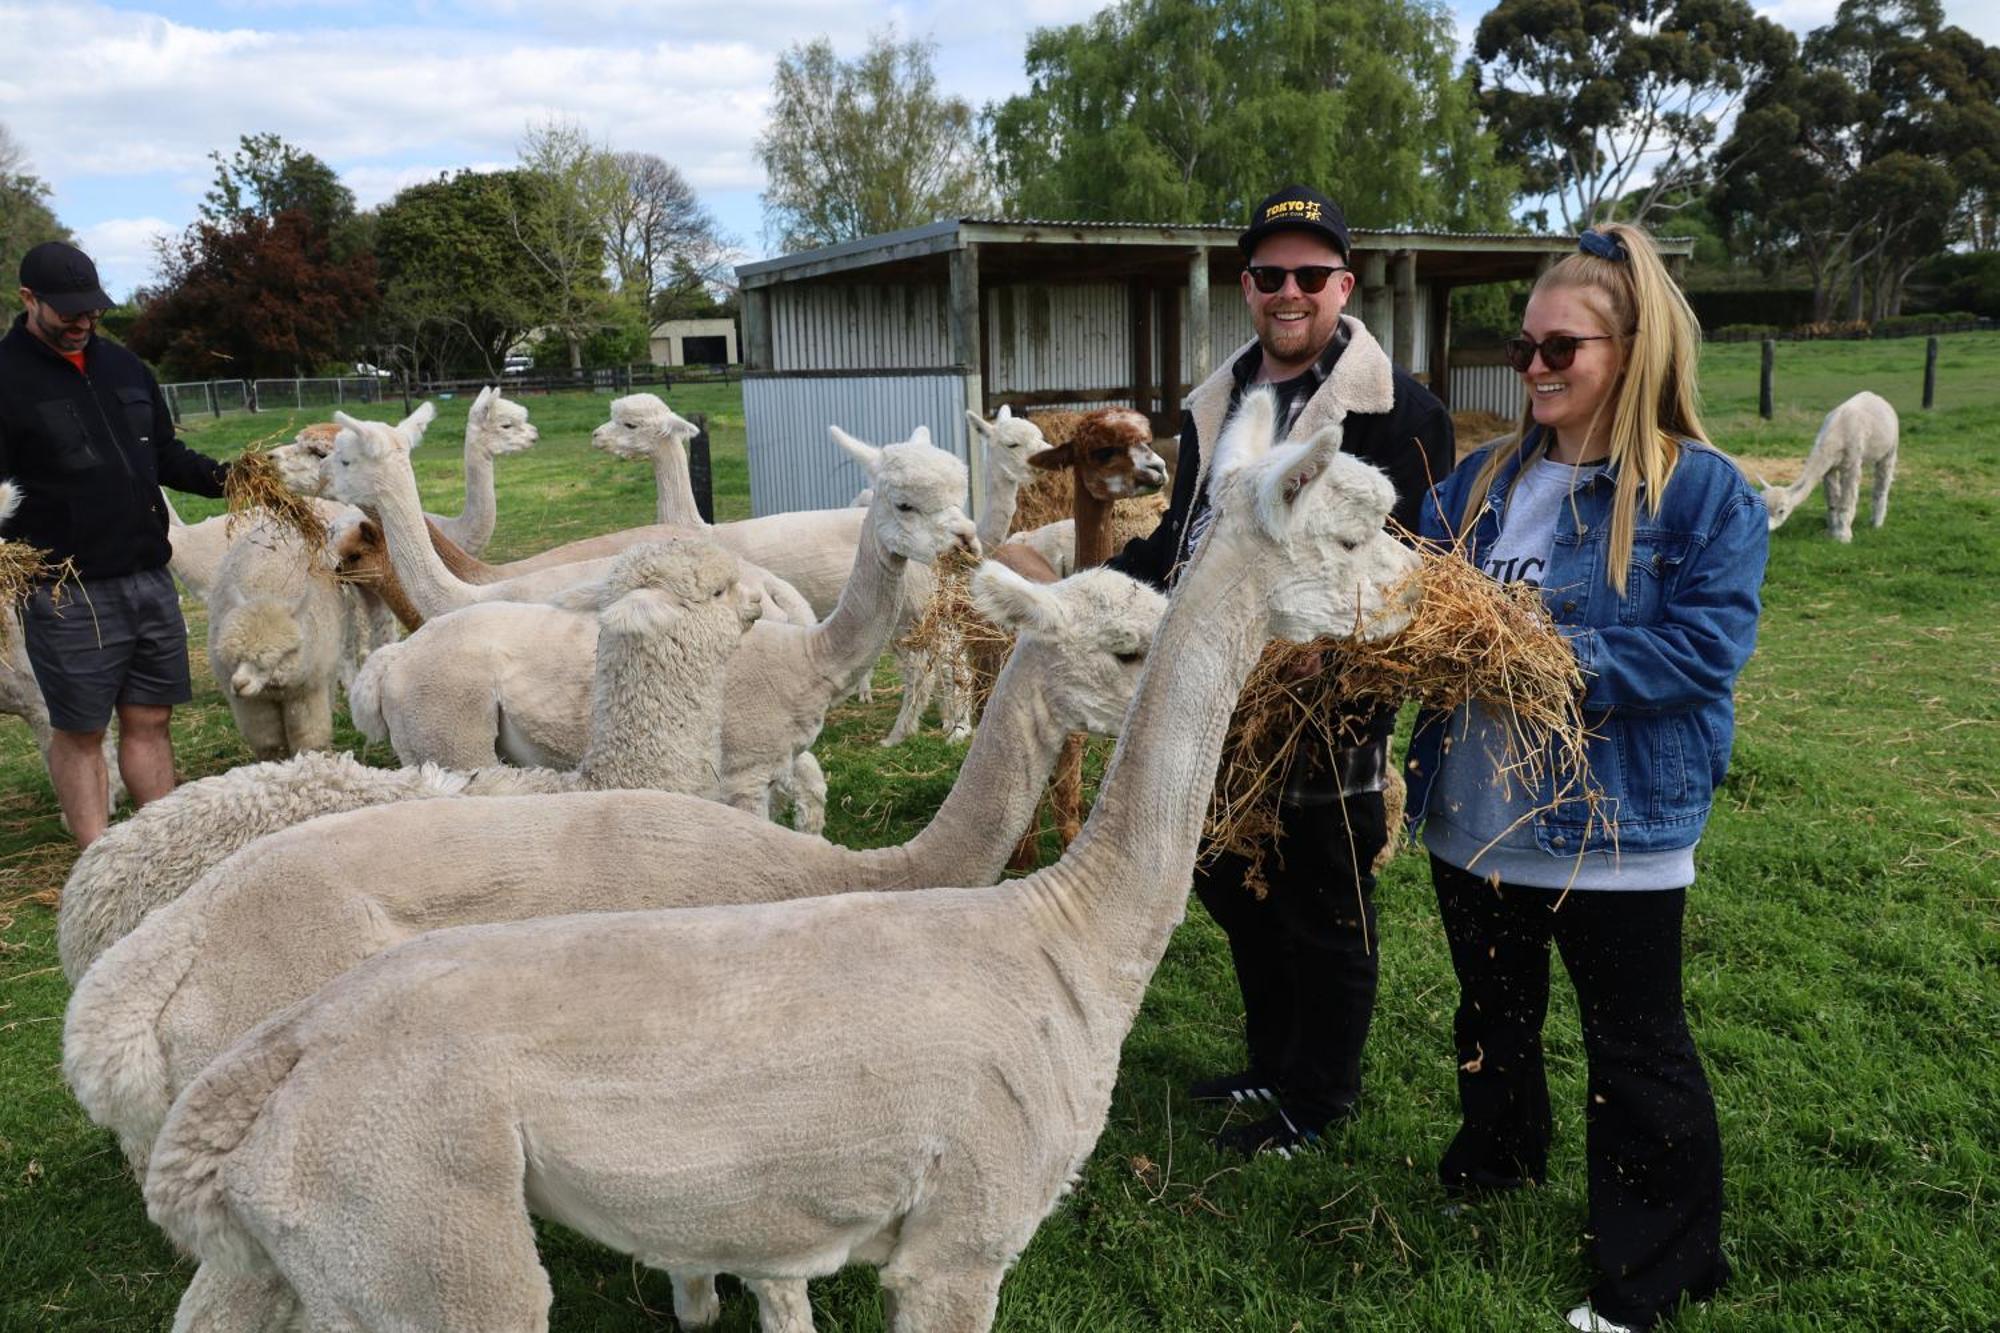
(794, 463)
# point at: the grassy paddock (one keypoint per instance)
(1843, 972)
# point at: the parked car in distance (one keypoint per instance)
(363, 368)
(518, 365)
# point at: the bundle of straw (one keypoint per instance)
(953, 633)
(22, 567)
(253, 490)
(1470, 639)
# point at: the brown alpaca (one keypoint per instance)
(1109, 457)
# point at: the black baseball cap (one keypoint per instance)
(64, 277)
(1296, 208)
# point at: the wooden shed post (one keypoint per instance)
(963, 302)
(1201, 354)
(1376, 311)
(757, 329)
(1440, 358)
(1404, 272)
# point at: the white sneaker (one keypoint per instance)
(1587, 1319)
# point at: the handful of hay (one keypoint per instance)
(22, 567)
(952, 633)
(1471, 639)
(253, 485)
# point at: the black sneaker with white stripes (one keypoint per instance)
(1239, 1089)
(1276, 1134)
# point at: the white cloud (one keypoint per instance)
(123, 249)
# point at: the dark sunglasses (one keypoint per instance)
(1558, 350)
(1270, 278)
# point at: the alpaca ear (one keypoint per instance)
(1290, 475)
(413, 426)
(10, 500)
(921, 435)
(979, 424)
(479, 402)
(641, 611)
(860, 451)
(1055, 458)
(1248, 438)
(678, 426)
(1014, 603)
(1764, 481)
(1006, 413)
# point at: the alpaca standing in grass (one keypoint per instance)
(277, 626)
(495, 425)
(497, 681)
(146, 1022)
(908, 1080)
(668, 617)
(1861, 432)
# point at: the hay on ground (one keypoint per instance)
(1471, 639)
(1473, 428)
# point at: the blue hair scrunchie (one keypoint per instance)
(1593, 242)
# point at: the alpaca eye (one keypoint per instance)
(1129, 658)
(906, 509)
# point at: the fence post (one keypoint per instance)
(700, 476)
(405, 377)
(1930, 371)
(1764, 379)
(214, 401)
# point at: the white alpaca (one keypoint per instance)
(1861, 432)
(278, 623)
(21, 693)
(811, 549)
(492, 681)
(370, 468)
(669, 615)
(199, 547)
(176, 991)
(495, 425)
(909, 1080)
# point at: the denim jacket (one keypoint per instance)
(1659, 663)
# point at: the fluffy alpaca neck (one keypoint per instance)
(1825, 454)
(656, 711)
(1093, 526)
(1118, 893)
(996, 506)
(428, 584)
(849, 641)
(476, 520)
(673, 487)
(972, 834)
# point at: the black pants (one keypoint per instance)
(1655, 1153)
(1305, 954)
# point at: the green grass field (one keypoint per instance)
(1843, 972)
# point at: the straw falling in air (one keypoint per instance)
(1470, 639)
(253, 484)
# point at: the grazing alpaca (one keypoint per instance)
(148, 1019)
(1861, 432)
(753, 1089)
(669, 616)
(495, 681)
(276, 630)
(494, 426)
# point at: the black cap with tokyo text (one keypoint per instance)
(1296, 208)
(63, 276)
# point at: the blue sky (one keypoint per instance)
(136, 94)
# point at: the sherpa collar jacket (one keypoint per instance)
(90, 451)
(1386, 418)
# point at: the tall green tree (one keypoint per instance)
(1876, 151)
(865, 146)
(25, 217)
(562, 228)
(266, 176)
(1192, 110)
(459, 290)
(658, 228)
(1592, 98)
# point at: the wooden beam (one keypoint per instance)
(757, 329)
(967, 351)
(1376, 311)
(1201, 355)
(1440, 349)
(1139, 300)
(1171, 388)
(1403, 271)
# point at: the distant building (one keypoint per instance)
(883, 334)
(694, 342)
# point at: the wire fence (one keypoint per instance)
(217, 397)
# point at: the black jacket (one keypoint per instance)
(1412, 443)
(90, 452)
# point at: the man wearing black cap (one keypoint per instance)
(85, 433)
(1305, 952)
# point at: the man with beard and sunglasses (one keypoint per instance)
(1305, 951)
(86, 433)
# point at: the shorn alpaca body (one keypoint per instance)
(751, 1089)
(503, 681)
(811, 549)
(180, 988)
(668, 617)
(1860, 433)
(278, 628)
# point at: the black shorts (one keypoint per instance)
(108, 642)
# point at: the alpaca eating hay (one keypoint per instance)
(1861, 432)
(276, 633)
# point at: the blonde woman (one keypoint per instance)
(1648, 546)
